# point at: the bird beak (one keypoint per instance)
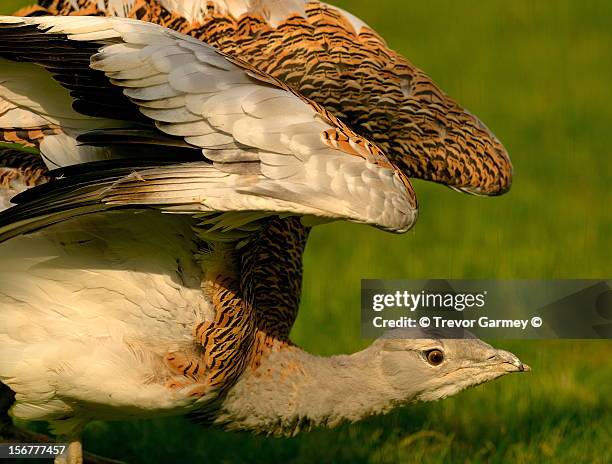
(510, 362)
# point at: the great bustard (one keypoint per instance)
(112, 314)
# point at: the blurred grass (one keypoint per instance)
(539, 74)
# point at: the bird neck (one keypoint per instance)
(292, 390)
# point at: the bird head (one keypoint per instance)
(429, 369)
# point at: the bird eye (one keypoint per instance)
(434, 357)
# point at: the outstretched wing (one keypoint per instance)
(263, 147)
(333, 58)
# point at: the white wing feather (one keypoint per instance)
(192, 90)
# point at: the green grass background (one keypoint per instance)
(539, 73)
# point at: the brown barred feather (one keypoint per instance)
(224, 345)
(271, 274)
(22, 168)
(18, 166)
(30, 137)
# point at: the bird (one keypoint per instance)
(200, 274)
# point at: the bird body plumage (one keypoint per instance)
(61, 310)
(300, 114)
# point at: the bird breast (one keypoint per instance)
(96, 310)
